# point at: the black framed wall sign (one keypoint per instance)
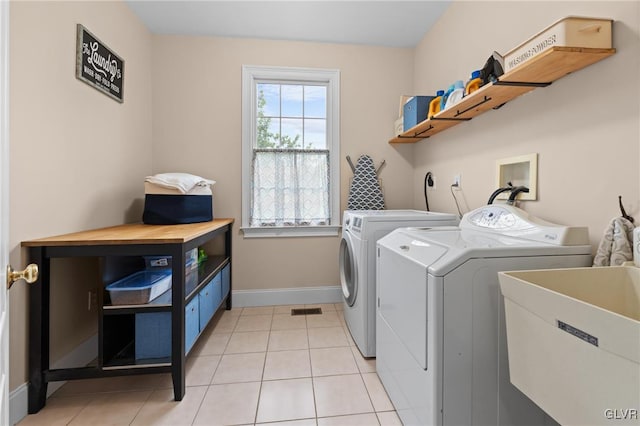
(98, 66)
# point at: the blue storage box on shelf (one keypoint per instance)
(191, 323)
(140, 287)
(415, 110)
(153, 331)
(153, 335)
(209, 300)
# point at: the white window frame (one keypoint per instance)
(250, 76)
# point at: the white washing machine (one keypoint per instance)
(360, 231)
(441, 337)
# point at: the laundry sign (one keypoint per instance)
(97, 65)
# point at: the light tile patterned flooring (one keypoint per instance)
(251, 366)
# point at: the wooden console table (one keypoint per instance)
(112, 245)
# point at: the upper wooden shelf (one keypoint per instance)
(540, 71)
(133, 233)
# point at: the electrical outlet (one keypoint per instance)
(431, 184)
(457, 181)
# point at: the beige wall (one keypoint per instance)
(197, 128)
(84, 156)
(78, 158)
(585, 127)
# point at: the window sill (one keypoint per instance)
(291, 231)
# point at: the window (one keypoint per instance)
(290, 151)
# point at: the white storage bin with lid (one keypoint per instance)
(571, 31)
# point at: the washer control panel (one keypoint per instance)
(495, 218)
(515, 222)
(352, 223)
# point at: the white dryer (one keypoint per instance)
(441, 337)
(360, 231)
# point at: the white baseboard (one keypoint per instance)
(83, 354)
(18, 403)
(287, 296)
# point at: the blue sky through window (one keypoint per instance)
(296, 110)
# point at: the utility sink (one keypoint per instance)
(573, 338)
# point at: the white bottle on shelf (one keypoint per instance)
(457, 94)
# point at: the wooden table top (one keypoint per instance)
(133, 233)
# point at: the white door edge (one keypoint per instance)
(4, 210)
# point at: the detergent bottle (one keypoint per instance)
(473, 84)
(445, 96)
(434, 105)
(456, 94)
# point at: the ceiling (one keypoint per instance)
(378, 23)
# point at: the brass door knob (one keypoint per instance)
(29, 274)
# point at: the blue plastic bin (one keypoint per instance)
(139, 288)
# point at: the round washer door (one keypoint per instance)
(348, 269)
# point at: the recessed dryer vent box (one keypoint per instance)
(520, 171)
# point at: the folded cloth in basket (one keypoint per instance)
(184, 182)
(152, 188)
(616, 245)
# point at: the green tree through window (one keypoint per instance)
(266, 139)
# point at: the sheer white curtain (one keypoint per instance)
(290, 187)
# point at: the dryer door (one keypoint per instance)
(348, 268)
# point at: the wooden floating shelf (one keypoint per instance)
(540, 71)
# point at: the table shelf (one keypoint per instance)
(117, 339)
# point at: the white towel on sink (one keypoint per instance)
(616, 245)
(184, 182)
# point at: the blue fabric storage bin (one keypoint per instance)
(164, 209)
(153, 332)
(216, 282)
(209, 299)
(415, 110)
(153, 335)
(191, 323)
(226, 280)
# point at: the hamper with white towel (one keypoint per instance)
(175, 198)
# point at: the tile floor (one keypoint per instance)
(251, 366)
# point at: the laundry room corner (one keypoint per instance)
(583, 127)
